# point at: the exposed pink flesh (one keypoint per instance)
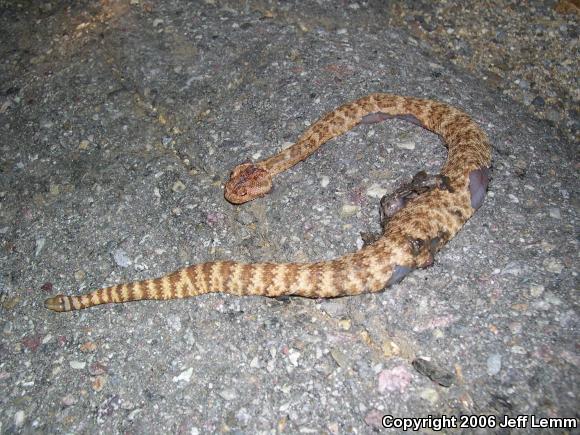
(478, 181)
(399, 273)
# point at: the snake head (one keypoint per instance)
(247, 182)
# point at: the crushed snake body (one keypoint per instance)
(418, 226)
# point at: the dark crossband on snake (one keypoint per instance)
(418, 219)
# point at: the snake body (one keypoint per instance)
(418, 228)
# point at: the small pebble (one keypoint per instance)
(438, 333)
(7, 329)
(39, 246)
(97, 368)
(19, 418)
(553, 115)
(541, 305)
(538, 102)
(390, 348)
(552, 299)
(339, 357)
(228, 394)
(54, 189)
(98, 383)
(246, 218)
(184, 376)
(515, 327)
(178, 187)
(396, 379)
(80, 275)
(333, 428)
(376, 191)
(88, 346)
(374, 419)
(524, 84)
(174, 321)
(214, 218)
(32, 342)
(84, 144)
(243, 416)
(547, 247)
(121, 258)
(553, 265)
(493, 364)
(333, 308)
(430, 395)
(8, 303)
(555, 213)
(349, 210)
(345, 324)
(293, 356)
(406, 145)
(68, 400)
(324, 181)
(77, 365)
(366, 337)
(512, 268)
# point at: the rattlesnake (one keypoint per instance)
(417, 221)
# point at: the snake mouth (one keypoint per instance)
(235, 194)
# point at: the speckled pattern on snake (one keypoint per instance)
(417, 222)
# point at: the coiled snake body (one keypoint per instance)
(417, 221)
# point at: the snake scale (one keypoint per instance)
(417, 222)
